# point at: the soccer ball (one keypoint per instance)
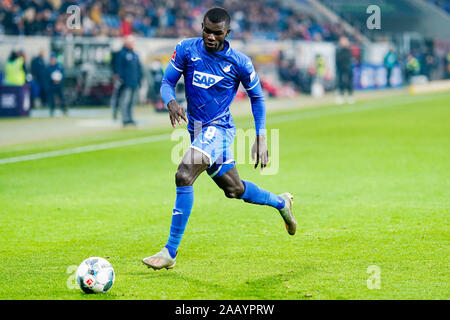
(95, 275)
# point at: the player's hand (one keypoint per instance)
(260, 152)
(176, 113)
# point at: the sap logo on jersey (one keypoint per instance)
(205, 80)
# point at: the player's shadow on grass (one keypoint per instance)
(78, 295)
(274, 286)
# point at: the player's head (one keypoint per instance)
(129, 42)
(53, 59)
(344, 42)
(12, 56)
(215, 28)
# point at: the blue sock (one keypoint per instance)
(254, 194)
(180, 216)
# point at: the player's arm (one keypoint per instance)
(259, 149)
(250, 81)
(171, 76)
(140, 75)
(120, 66)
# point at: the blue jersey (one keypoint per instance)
(212, 80)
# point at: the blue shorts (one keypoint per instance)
(215, 142)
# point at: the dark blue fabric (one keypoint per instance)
(38, 70)
(128, 67)
(50, 69)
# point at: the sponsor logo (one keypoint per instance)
(227, 68)
(205, 80)
(8, 101)
(89, 281)
(196, 58)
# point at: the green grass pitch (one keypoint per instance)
(371, 185)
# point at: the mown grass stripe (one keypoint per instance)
(302, 115)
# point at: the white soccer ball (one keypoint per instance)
(95, 275)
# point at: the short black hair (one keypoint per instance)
(218, 14)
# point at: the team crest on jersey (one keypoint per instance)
(205, 80)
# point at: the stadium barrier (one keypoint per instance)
(14, 101)
(433, 86)
(374, 76)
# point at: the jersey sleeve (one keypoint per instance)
(250, 81)
(178, 60)
(248, 75)
(173, 73)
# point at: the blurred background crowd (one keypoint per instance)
(160, 18)
(297, 46)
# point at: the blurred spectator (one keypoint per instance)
(96, 13)
(117, 82)
(428, 63)
(155, 80)
(318, 68)
(15, 71)
(126, 26)
(318, 73)
(390, 60)
(10, 18)
(144, 27)
(447, 65)
(55, 78)
(38, 84)
(412, 67)
(30, 24)
(344, 72)
(130, 74)
(290, 74)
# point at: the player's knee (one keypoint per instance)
(234, 192)
(183, 178)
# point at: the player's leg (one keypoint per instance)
(194, 162)
(340, 95)
(124, 100)
(115, 98)
(51, 101)
(131, 104)
(43, 94)
(351, 99)
(234, 187)
(62, 100)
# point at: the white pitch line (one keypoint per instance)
(89, 148)
(315, 113)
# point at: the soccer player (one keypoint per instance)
(344, 71)
(212, 73)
